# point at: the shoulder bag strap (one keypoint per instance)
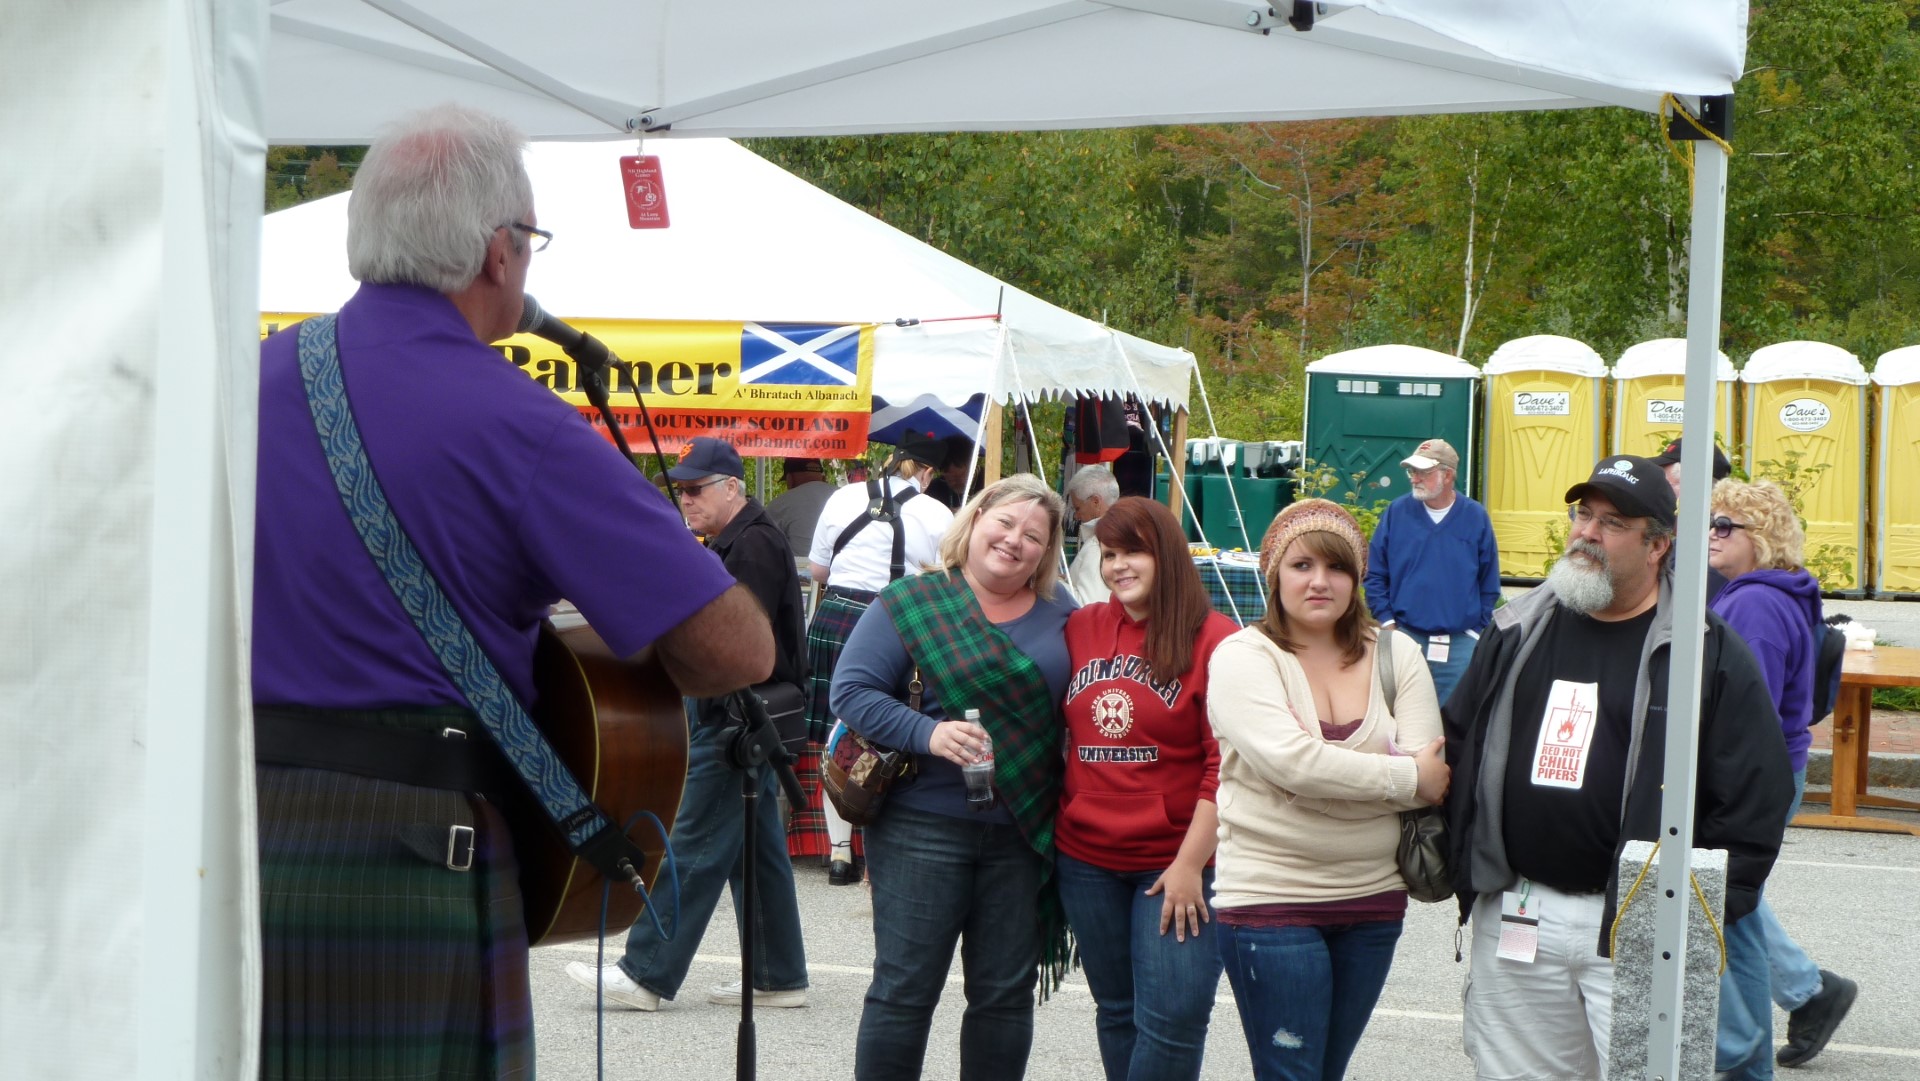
(587, 830)
(1383, 664)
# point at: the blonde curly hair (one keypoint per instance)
(1779, 542)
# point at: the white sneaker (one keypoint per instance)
(617, 986)
(729, 995)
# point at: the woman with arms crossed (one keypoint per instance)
(1137, 816)
(983, 631)
(1314, 771)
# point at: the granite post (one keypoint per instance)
(1633, 966)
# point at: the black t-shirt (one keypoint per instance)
(1558, 834)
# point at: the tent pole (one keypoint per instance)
(1707, 247)
(1176, 492)
(995, 417)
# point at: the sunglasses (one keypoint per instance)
(1723, 526)
(689, 490)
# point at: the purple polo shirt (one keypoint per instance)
(511, 498)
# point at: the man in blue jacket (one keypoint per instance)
(1433, 568)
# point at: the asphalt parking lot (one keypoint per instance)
(1848, 898)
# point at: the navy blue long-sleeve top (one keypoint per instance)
(870, 690)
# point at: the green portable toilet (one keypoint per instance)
(1368, 408)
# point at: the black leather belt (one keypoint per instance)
(432, 749)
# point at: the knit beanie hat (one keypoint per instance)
(1311, 516)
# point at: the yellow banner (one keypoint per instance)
(770, 389)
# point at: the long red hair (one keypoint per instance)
(1177, 604)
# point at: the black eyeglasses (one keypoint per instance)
(543, 237)
(1724, 526)
(690, 490)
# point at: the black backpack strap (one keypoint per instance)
(883, 505)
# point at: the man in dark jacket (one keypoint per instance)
(1557, 740)
(708, 834)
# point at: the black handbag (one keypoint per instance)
(1425, 847)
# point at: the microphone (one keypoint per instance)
(586, 350)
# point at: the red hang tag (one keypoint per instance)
(646, 191)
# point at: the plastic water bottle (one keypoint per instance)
(979, 773)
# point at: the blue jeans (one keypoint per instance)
(1448, 672)
(1764, 966)
(1743, 1045)
(940, 879)
(1153, 993)
(707, 838)
(1305, 993)
(1794, 976)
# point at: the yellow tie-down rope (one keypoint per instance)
(1670, 106)
(1613, 933)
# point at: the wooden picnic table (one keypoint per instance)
(1860, 673)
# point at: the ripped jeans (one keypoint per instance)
(1305, 993)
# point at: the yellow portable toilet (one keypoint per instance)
(1896, 462)
(1649, 397)
(1807, 409)
(1543, 432)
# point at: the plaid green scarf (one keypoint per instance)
(971, 664)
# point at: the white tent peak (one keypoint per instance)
(751, 241)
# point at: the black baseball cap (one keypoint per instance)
(706, 457)
(1638, 486)
(1670, 455)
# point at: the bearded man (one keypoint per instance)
(1557, 739)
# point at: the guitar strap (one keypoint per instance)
(588, 831)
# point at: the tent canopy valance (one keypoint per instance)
(756, 67)
(750, 240)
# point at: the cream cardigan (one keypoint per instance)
(1303, 819)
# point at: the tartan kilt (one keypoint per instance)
(832, 622)
(379, 961)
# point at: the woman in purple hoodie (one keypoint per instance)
(1756, 541)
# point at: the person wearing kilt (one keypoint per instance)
(393, 937)
(859, 545)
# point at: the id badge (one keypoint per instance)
(1438, 647)
(1519, 925)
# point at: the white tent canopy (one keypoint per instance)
(750, 240)
(761, 68)
(161, 281)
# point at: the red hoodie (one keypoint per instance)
(1140, 754)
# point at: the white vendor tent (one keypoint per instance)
(132, 194)
(750, 240)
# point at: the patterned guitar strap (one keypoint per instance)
(588, 831)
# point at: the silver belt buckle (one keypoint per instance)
(459, 848)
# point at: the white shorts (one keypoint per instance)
(1548, 1020)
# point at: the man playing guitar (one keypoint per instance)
(393, 937)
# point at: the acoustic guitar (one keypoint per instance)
(622, 731)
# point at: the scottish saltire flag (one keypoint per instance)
(800, 354)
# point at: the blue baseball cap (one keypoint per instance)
(706, 457)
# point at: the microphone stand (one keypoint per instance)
(754, 746)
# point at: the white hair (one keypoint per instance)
(1093, 480)
(1584, 587)
(431, 193)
